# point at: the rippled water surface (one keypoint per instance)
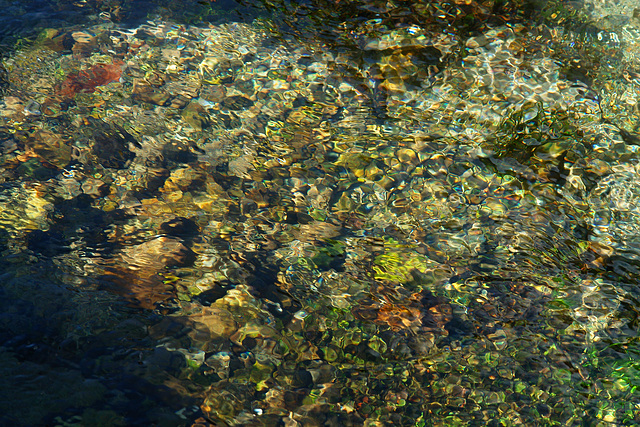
(319, 213)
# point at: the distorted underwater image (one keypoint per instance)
(319, 213)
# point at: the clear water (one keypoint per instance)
(319, 213)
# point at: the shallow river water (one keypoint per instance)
(319, 213)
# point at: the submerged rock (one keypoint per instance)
(137, 273)
(339, 236)
(86, 81)
(109, 142)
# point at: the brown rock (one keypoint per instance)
(213, 322)
(150, 257)
(196, 116)
(236, 102)
(51, 148)
(56, 40)
(136, 275)
(213, 93)
(144, 92)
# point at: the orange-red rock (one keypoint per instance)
(86, 81)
